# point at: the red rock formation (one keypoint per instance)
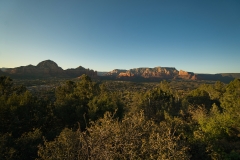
(183, 73)
(122, 74)
(194, 77)
(186, 75)
(157, 72)
(115, 72)
(152, 73)
(46, 69)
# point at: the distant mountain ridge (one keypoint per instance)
(150, 73)
(157, 73)
(48, 69)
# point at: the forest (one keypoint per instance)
(86, 119)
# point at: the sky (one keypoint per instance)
(201, 36)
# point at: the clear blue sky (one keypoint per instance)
(202, 36)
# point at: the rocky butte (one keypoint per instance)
(158, 73)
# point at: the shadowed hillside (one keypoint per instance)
(47, 69)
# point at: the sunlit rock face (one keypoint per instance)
(157, 72)
(183, 73)
(186, 75)
(151, 73)
(115, 72)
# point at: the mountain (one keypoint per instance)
(46, 69)
(80, 71)
(234, 75)
(100, 73)
(3, 69)
(115, 72)
(49, 68)
(158, 73)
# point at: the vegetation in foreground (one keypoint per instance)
(87, 120)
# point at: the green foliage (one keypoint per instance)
(156, 102)
(212, 123)
(72, 99)
(65, 146)
(7, 150)
(195, 98)
(103, 103)
(77, 102)
(231, 98)
(132, 138)
(218, 130)
(27, 144)
(5, 85)
(19, 114)
(215, 91)
(82, 119)
(165, 87)
(231, 104)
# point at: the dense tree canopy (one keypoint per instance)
(85, 119)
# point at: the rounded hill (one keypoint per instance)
(48, 64)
